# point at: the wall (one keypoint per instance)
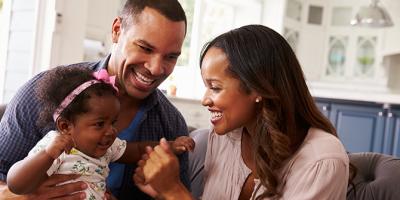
(195, 114)
(17, 45)
(37, 35)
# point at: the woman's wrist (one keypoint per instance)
(178, 191)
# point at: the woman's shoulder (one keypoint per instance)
(321, 145)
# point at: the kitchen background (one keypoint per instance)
(352, 71)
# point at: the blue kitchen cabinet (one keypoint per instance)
(364, 126)
(392, 133)
(323, 106)
(360, 127)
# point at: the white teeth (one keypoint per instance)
(216, 115)
(140, 77)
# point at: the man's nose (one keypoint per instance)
(155, 66)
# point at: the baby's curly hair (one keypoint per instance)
(58, 82)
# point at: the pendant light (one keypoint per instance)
(372, 16)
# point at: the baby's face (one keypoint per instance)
(94, 132)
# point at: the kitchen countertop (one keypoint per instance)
(345, 93)
(354, 93)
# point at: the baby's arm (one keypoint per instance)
(182, 144)
(135, 150)
(28, 174)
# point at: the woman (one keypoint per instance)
(269, 140)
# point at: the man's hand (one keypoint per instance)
(50, 189)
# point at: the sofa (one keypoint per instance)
(377, 177)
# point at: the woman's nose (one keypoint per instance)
(206, 101)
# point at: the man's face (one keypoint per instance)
(145, 52)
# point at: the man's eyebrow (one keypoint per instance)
(146, 43)
(175, 54)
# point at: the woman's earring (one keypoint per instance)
(258, 99)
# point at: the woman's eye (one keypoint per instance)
(215, 89)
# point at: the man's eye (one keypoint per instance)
(146, 49)
(173, 57)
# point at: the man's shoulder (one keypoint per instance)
(92, 65)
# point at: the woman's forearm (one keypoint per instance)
(178, 192)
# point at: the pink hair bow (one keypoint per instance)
(103, 75)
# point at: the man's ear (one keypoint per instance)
(116, 29)
(64, 125)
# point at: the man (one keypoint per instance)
(147, 39)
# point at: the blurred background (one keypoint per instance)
(352, 70)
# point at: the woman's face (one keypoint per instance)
(230, 106)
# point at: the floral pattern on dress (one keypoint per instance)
(93, 171)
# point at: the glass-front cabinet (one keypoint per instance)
(335, 53)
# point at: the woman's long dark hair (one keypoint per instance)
(264, 62)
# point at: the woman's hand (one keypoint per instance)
(182, 144)
(158, 173)
(162, 167)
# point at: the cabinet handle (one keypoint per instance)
(390, 114)
(380, 114)
(324, 108)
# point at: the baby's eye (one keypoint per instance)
(99, 124)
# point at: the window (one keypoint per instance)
(206, 19)
(337, 56)
(292, 37)
(315, 15)
(365, 57)
(293, 10)
(341, 16)
(188, 6)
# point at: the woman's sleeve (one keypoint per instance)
(324, 179)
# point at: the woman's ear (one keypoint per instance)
(64, 125)
(257, 98)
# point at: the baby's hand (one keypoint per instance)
(182, 144)
(62, 142)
